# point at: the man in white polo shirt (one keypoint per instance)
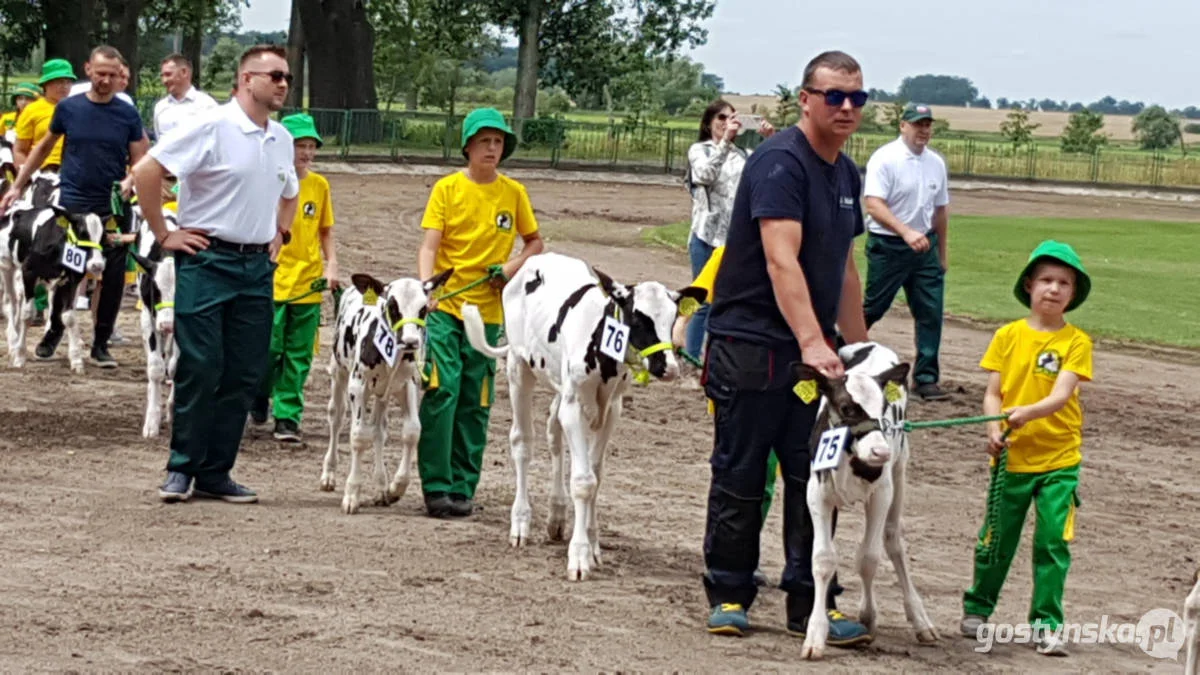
(907, 197)
(237, 199)
(183, 100)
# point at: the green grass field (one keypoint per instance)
(1144, 281)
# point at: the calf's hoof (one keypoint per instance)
(396, 490)
(350, 505)
(386, 499)
(927, 635)
(519, 534)
(327, 482)
(579, 562)
(556, 528)
(812, 652)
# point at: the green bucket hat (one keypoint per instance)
(488, 118)
(25, 89)
(301, 126)
(1060, 253)
(56, 69)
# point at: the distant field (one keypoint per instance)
(1143, 287)
(1119, 127)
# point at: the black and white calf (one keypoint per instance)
(55, 248)
(8, 166)
(860, 453)
(1191, 620)
(378, 352)
(156, 289)
(580, 333)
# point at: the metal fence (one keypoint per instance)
(377, 135)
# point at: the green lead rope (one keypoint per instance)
(995, 495)
(317, 286)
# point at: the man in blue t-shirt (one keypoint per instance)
(785, 288)
(104, 137)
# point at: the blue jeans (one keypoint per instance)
(699, 252)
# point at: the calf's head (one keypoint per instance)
(85, 231)
(859, 401)
(650, 310)
(162, 289)
(43, 190)
(403, 304)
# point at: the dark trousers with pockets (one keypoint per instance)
(756, 411)
(224, 311)
(892, 265)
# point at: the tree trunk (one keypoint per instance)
(412, 97)
(68, 24)
(341, 72)
(525, 94)
(123, 34)
(193, 41)
(296, 56)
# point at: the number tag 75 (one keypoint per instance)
(828, 452)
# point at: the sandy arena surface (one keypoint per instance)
(99, 575)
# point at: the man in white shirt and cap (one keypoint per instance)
(183, 100)
(237, 198)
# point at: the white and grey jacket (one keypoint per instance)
(714, 169)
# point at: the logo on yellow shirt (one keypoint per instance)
(504, 220)
(1048, 362)
(310, 209)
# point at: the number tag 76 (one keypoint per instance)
(614, 339)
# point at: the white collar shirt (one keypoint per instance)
(913, 185)
(232, 173)
(170, 112)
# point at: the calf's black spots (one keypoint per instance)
(572, 300)
(859, 356)
(534, 283)
(370, 353)
(593, 358)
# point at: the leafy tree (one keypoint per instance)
(1192, 128)
(881, 96)
(938, 90)
(1155, 128)
(982, 102)
(1076, 107)
(1191, 112)
(1002, 103)
(786, 111)
(1082, 133)
(891, 115)
(20, 32)
(1018, 129)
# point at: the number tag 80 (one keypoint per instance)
(828, 452)
(74, 258)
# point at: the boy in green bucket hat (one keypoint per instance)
(20, 96)
(1035, 367)
(297, 311)
(470, 224)
(34, 122)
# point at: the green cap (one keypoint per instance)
(915, 112)
(25, 89)
(1060, 253)
(56, 69)
(488, 118)
(301, 126)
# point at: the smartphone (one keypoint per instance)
(749, 123)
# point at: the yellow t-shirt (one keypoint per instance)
(300, 261)
(708, 275)
(8, 120)
(479, 224)
(34, 124)
(1029, 362)
(172, 206)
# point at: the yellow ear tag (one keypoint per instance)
(111, 225)
(806, 390)
(688, 306)
(63, 222)
(370, 297)
(892, 392)
(642, 377)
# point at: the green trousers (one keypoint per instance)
(892, 265)
(293, 334)
(223, 312)
(41, 298)
(455, 409)
(1054, 495)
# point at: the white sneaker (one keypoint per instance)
(1051, 645)
(970, 625)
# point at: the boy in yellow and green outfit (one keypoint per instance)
(21, 96)
(1035, 367)
(470, 224)
(297, 310)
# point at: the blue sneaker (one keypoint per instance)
(226, 490)
(728, 619)
(843, 631)
(178, 488)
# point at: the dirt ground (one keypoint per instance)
(97, 574)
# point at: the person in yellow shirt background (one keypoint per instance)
(471, 222)
(21, 96)
(1035, 367)
(34, 122)
(309, 255)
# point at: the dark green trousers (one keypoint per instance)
(223, 315)
(892, 265)
(455, 408)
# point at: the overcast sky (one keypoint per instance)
(1078, 50)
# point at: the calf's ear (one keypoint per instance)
(437, 281)
(897, 374)
(366, 282)
(612, 288)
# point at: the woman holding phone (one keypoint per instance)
(714, 168)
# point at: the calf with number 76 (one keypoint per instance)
(860, 455)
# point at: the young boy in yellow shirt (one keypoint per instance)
(297, 319)
(1035, 367)
(470, 224)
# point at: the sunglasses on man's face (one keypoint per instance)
(836, 97)
(276, 76)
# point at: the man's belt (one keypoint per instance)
(239, 248)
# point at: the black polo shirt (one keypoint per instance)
(784, 178)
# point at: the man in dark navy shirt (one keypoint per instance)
(104, 137)
(786, 286)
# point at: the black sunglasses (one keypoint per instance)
(276, 76)
(836, 97)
